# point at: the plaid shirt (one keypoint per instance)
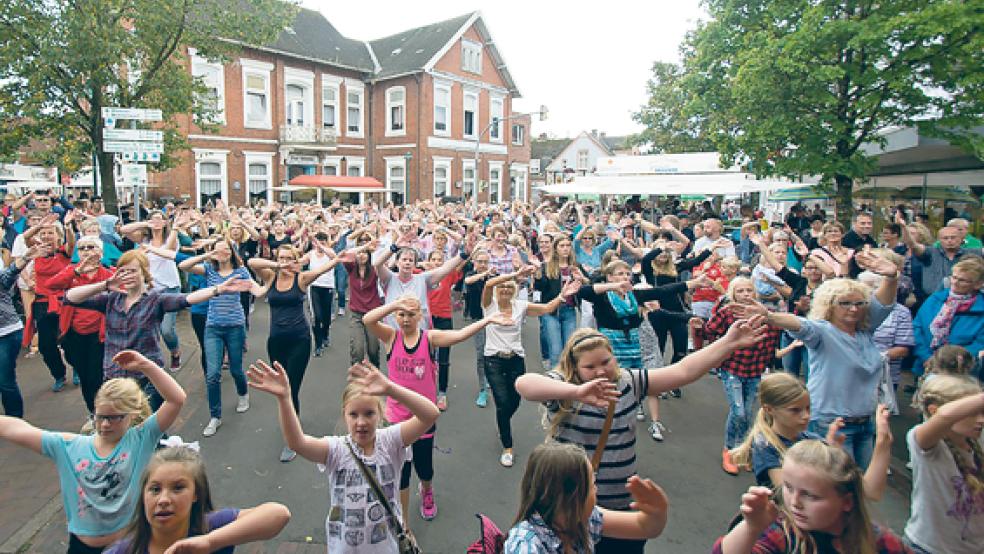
(744, 362)
(534, 536)
(136, 329)
(773, 541)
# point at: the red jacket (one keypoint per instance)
(80, 320)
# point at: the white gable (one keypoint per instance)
(573, 153)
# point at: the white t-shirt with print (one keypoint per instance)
(357, 522)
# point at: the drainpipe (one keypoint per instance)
(420, 149)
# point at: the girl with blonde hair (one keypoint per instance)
(819, 507)
(578, 394)
(99, 474)
(947, 468)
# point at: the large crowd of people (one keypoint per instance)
(812, 325)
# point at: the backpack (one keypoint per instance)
(491, 539)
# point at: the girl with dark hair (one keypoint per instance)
(225, 328)
(176, 501)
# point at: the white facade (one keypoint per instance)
(581, 155)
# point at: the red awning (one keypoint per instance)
(338, 182)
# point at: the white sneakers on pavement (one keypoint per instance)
(506, 459)
(243, 403)
(212, 427)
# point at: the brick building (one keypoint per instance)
(407, 109)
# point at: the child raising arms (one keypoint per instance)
(359, 525)
(99, 474)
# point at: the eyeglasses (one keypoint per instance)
(87, 247)
(587, 238)
(847, 304)
(111, 418)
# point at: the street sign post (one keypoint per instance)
(133, 145)
(133, 134)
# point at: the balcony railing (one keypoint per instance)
(296, 134)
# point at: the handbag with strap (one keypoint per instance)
(406, 543)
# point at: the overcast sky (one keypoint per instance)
(587, 62)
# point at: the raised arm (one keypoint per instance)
(425, 413)
(253, 524)
(273, 380)
(932, 431)
(649, 519)
(451, 337)
(21, 433)
(134, 231)
(174, 395)
(374, 317)
(434, 276)
(194, 264)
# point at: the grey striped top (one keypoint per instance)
(10, 322)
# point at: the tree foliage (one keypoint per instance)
(669, 129)
(800, 87)
(62, 61)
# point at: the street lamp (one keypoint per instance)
(406, 176)
(542, 112)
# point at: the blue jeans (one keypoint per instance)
(557, 328)
(13, 402)
(860, 438)
(796, 362)
(168, 331)
(741, 393)
(219, 340)
(341, 284)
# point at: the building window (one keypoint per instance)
(517, 175)
(495, 183)
(471, 56)
(211, 176)
(212, 77)
(518, 134)
(330, 165)
(442, 178)
(354, 168)
(442, 109)
(258, 176)
(396, 181)
(471, 114)
(467, 178)
(496, 108)
(295, 105)
(329, 106)
(582, 160)
(353, 113)
(257, 91)
(395, 111)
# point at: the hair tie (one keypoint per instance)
(175, 441)
(586, 337)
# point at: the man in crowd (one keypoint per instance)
(712, 234)
(860, 234)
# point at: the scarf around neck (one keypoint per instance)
(941, 324)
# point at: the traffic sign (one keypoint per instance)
(133, 134)
(132, 146)
(151, 157)
(138, 114)
(134, 175)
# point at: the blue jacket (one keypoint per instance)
(967, 329)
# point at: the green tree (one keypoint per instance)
(63, 61)
(804, 87)
(669, 129)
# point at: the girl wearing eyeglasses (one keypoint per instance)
(100, 473)
(845, 363)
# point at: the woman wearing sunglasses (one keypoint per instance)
(82, 331)
(845, 363)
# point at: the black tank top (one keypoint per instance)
(287, 317)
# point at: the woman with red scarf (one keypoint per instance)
(56, 255)
(83, 331)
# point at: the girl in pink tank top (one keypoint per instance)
(411, 364)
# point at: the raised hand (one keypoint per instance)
(746, 333)
(372, 380)
(598, 392)
(570, 288)
(234, 285)
(751, 309)
(876, 264)
(118, 281)
(131, 360)
(757, 508)
(268, 379)
(834, 436)
(501, 319)
(647, 497)
(883, 431)
(191, 545)
(32, 252)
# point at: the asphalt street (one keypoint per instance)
(244, 470)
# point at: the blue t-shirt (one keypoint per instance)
(766, 457)
(225, 310)
(215, 520)
(195, 282)
(100, 494)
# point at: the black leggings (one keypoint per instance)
(245, 299)
(321, 306)
(85, 354)
(677, 330)
(198, 324)
(502, 374)
(609, 545)
(47, 325)
(293, 353)
(423, 461)
(75, 546)
(443, 353)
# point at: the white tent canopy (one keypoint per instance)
(668, 174)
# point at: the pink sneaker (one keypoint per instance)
(428, 508)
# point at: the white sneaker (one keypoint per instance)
(641, 413)
(212, 427)
(243, 403)
(341, 311)
(656, 431)
(506, 459)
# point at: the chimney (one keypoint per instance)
(594, 133)
(602, 135)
